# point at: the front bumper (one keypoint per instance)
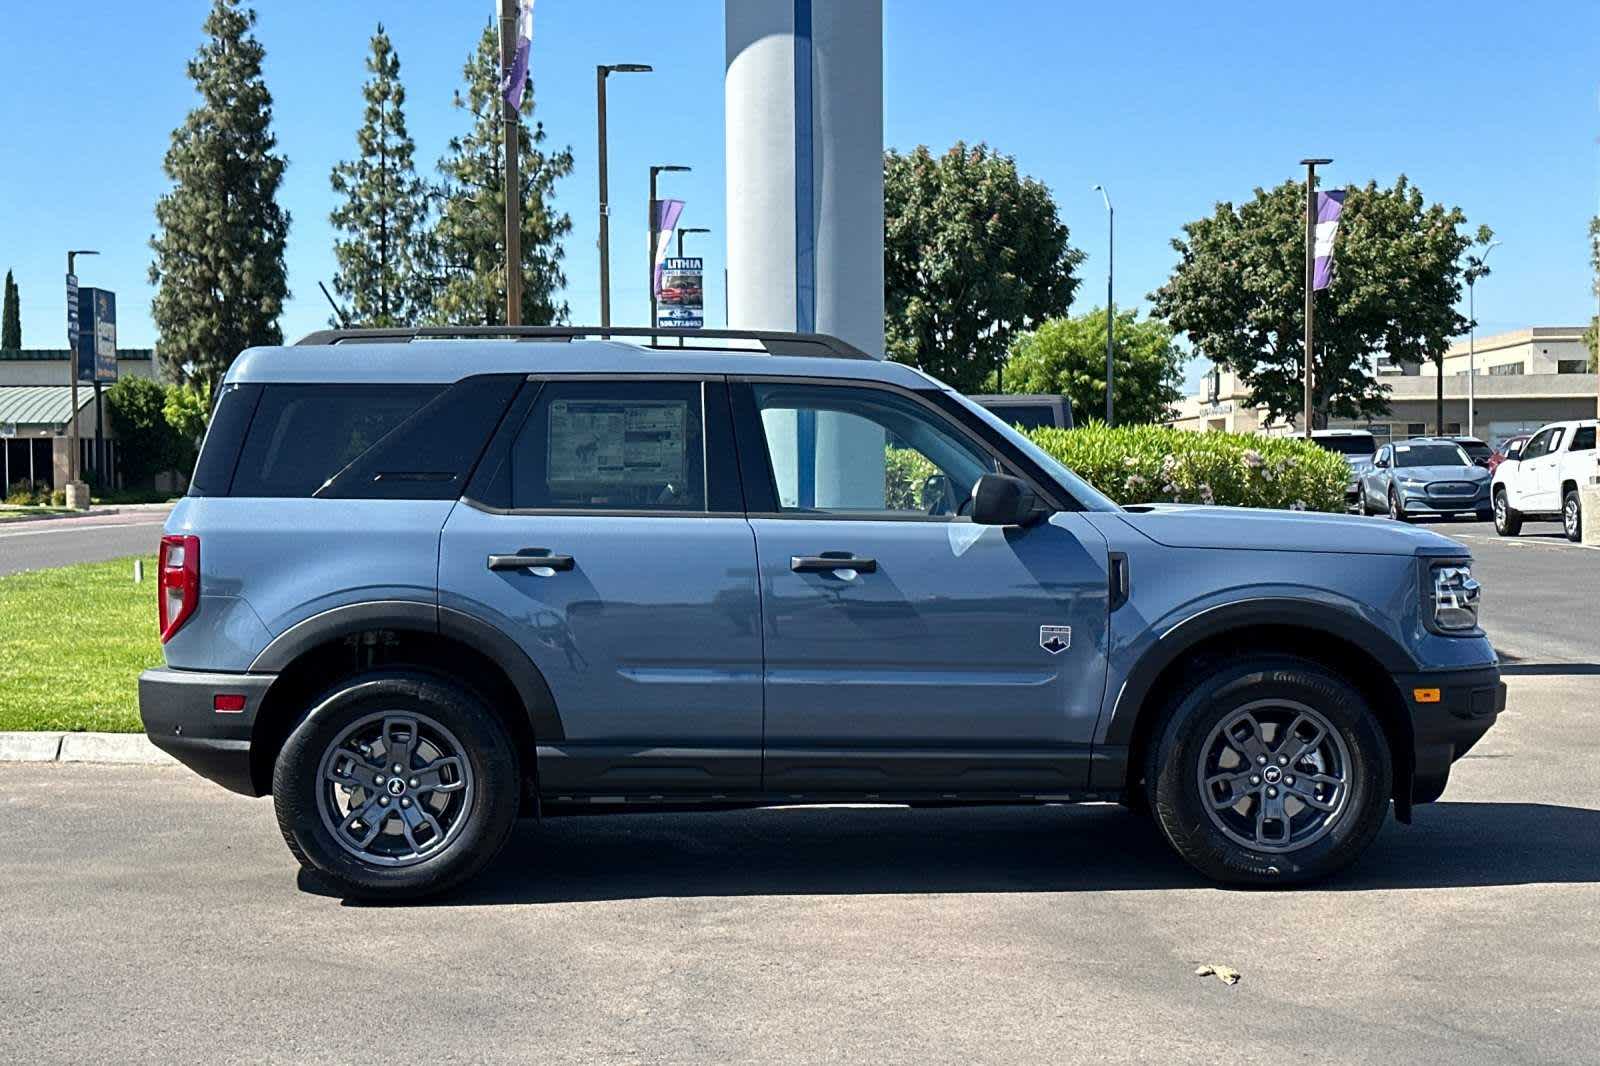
(1468, 703)
(178, 709)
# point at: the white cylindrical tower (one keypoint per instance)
(804, 97)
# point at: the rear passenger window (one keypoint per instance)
(304, 434)
(612, 446)
(1582, 438)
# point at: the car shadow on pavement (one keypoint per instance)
(832, 851)
(1522, 669)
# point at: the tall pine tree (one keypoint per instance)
(11, 316)
(218, 270)
(468, 234)
(382, 254)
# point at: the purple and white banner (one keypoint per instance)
(1329, 204)
(667, 212)
(515, 80)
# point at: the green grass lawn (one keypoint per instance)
(10, 513)
(72, 643)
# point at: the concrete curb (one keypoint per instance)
(124, 748)
(93, 512)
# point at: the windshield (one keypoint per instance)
(1476, 448)
(1091, 498)
(1430, 455)
(1356, 444)
(1029, 416)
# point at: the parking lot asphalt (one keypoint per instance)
(87, 539)
(146, 915)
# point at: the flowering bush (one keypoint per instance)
(1145, 464)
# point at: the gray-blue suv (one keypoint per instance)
(428, 581)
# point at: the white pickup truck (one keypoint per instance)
(1541, 481)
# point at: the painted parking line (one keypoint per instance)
(1513, 542)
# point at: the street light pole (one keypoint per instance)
(655, 230)
(512, 124)
(1473, 273)
(72, 380)
(600, 74)
(1111, 307)
(685, 230)
(1311, 277)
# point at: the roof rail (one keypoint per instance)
(773, 342)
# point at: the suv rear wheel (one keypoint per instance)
(1273, 770)
(396, 785)
(1572, 516)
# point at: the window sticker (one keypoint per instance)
(605, 442)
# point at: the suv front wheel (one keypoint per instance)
(1272, 770)
(395, 785)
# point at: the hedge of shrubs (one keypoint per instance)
(1145, 464)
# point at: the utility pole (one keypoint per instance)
(600, 74)
(1111, 303)
(1475, 270)
(513, 180)
(76, 491)
(1311, 276)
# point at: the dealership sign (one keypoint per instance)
(96, 327)
(680, 301)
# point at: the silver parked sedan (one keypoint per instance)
(1425, 475)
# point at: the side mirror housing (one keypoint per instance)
(999, 500)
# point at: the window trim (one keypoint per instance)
(522, 408)
(755, 459)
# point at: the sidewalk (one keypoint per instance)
(122, 748)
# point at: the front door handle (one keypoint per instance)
(532, 559)
(828, 562)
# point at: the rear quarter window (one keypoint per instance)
(302, 435)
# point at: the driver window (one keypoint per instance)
(862, 451)
(1537, 446)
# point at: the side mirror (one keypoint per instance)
(998, 500)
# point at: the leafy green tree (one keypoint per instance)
(973, 253)
(1238, 292)
(1068, 356)
(11, 316)
(383, 215)
(468, 235)
(147, 443)
(218, 269)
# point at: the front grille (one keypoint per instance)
(1452, 488)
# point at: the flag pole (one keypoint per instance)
(1311, 275)
(510, 96)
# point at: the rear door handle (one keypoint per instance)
(532, 559)
(828, 562)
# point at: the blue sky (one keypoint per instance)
(1174, 106)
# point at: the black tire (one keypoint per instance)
(1572, 516)
(1174, 774)
(1366, 508)
(485, 813)
(1507, 519)
(1397, 510)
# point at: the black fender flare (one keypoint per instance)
(482, 636)
(1188, 633)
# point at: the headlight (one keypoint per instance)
(1455, 597)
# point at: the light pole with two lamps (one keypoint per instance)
(655, 227)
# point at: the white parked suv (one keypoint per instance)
(1542, 482)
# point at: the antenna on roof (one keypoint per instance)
(338, 312)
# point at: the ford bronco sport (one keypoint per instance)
(421, 586)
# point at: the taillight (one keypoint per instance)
(178, 584)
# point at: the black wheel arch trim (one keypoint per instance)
(481, 635)
(1214, 621)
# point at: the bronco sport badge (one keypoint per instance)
(1055, 639)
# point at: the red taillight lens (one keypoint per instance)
(178, 583)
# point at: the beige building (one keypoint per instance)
(1521, 380)
(35, 405)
